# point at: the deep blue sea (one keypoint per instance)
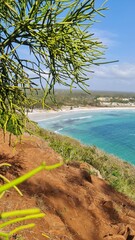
(110, 130)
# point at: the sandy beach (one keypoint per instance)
(41, 114)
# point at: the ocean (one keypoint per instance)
(110, 130)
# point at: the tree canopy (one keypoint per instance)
(43, 43)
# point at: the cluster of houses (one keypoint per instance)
(116, 101)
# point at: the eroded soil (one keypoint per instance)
(78, 206)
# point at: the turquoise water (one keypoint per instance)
(111, 130)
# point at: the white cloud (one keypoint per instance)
(108, 39)
(114, 77)
(124, 71)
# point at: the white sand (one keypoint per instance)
(40, 115)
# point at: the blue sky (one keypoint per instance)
(117, 32)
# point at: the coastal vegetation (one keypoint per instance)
(57, 48)
(119, 174)
(60, 50)
(78, 98)
(68, 195)
(44, 44)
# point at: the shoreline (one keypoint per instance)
(46, 117)
(41, 114)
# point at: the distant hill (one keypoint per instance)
(79, 98)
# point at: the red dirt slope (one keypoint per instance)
(77, 206)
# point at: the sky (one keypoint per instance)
(117, 32)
